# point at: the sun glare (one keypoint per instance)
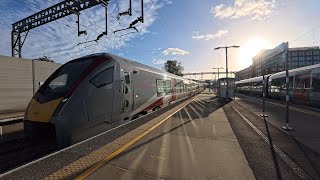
(252, 48)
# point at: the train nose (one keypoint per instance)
(37, 120)
(39, 131)
(41, 112)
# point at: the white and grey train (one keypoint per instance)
(304, 85)
(84, 96)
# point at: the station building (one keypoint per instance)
(297, 57)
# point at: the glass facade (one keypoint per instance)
(303, 57)
(297, 57)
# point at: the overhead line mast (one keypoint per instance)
(21, 28)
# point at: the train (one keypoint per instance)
(304, 85)
(85, 96)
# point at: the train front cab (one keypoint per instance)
(77, 96)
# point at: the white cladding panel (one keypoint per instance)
(16, 80)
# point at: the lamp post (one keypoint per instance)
(226, 47)
(286, 126)
(218, 70)
(218, 73)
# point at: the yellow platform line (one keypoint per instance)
(111, 156)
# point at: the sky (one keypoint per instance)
(182, 30)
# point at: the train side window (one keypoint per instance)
(127, 77)
(179, 86)
(175, 88)
(168, 87)
(306, 85)
(160, 86)
(316, 82)
(290, 82)
(105, 77)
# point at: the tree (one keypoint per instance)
(44, 58)
(173, 67)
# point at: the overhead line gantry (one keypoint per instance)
(21, 28)
(65, 8)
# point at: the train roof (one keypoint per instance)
(280, 74)
(255, 79)
(293, 71)
(139, 65)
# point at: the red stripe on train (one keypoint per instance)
(158, 103)
(173, 97)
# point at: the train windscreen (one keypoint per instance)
(61, 82)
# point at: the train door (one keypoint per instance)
(302, 87)
(99, 103)
(127, 91)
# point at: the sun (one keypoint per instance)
(252, 48)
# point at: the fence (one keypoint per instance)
(19, 79)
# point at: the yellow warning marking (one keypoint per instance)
(108, 158)
(42, 112)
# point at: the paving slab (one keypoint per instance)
(196, 143)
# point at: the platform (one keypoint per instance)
(195, 143)
(197, 138)
(10, 115)
(11, 125)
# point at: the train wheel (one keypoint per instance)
(156, 108)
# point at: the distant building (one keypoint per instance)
(297, 57)
(244, 74)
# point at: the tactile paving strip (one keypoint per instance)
(75, 168)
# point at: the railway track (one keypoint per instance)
(13, 145)
(19, 151)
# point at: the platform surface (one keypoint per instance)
(195, 143)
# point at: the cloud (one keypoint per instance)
(59, 39)
(175, 51)
(256, 9)
(159, 61)
(218, 34)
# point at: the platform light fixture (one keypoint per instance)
(226, 48)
